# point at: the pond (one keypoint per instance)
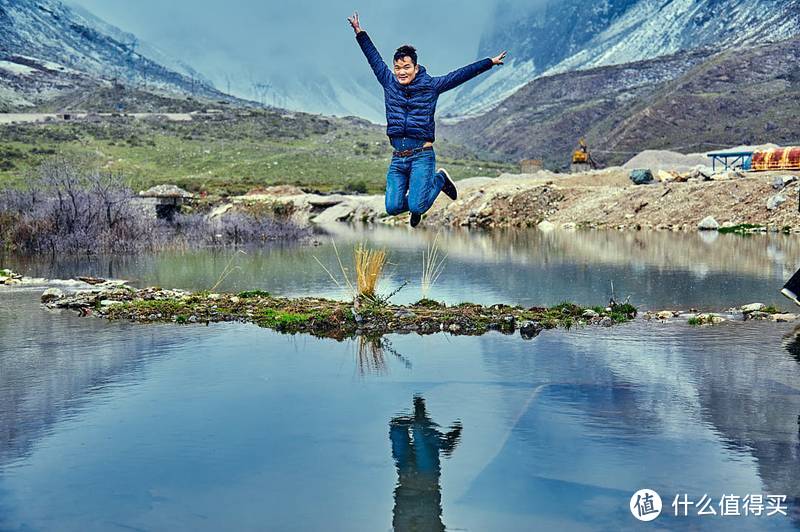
(107, 426)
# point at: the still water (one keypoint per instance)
(115, 426)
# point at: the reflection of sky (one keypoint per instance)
(238, 427)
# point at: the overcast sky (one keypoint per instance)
(268, 38)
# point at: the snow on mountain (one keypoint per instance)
(565, 35)
(68, 48)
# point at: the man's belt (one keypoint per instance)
(409, 153)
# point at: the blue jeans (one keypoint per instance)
(412, 183)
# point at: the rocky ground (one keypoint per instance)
(325, 317)
(596, 199)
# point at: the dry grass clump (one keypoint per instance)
(369, 267)
(432, 265)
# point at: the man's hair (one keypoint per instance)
(406, 51)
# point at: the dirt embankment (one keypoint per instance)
(597, 199)
(608, 198)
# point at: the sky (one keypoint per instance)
(249, 41)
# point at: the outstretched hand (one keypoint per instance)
(497, 60)
(354, 23)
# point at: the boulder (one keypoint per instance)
(783, 317)
(51, 294)
(782, 181)
(641, 176)
(708, 224)
(545, 226)
(665, 176)
(775, 201)
(665, 315)
(530, 329)
(752, 307)
(589, 313)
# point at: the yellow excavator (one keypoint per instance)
(582, 159)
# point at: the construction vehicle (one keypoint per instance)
(581, 158)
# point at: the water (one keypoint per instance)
(116, 426)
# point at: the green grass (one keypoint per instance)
(741, 229)
(226, 157)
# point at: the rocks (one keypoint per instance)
(530, 329)
(708, 224)
(590, 314)
(775, 201)
(8, 277)
(665, 315)
(641, 176)
(166, 191)
(545, 226)
(782, 181)
(787, 317)
(709, 318)
(52, 294)
(752, 307)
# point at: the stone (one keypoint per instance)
(665, 314)
(51, 294)
(641, 176)
(782, 181)
(530, 329)
(775, 201)
(589, 313)
(783, 317)
(752, 307)
(711, 318)
(454, 327)
(606, 322)
(545, 226)
(109, 303)
(708, 224)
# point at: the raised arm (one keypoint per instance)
(464, 74)
(374, 58)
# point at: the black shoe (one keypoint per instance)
(791, 295)
(449, 187)
(415, 219)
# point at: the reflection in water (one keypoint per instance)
(792, 343)
(371, 355)
(416, 444)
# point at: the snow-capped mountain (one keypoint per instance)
(564, 35)
(47, 48)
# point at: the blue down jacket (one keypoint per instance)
(410, 108)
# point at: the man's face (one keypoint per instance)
(405, 70)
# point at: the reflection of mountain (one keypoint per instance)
(617, 407)
(47, 379)
(526, 267)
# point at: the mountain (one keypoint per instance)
(565, 35)
(694, 100)
(48, 49)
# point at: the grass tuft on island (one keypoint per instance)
(330, 318)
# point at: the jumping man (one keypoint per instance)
(410, 94)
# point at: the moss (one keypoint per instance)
(695, 321)
(771, 309)
(741, 229)
(281, 320)
(429, 303)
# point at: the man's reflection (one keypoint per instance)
(416, 444)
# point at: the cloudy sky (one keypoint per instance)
(251, 40)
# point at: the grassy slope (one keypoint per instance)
(230, 155)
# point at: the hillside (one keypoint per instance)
(48, 50)
(690, 101)
(556, 36)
